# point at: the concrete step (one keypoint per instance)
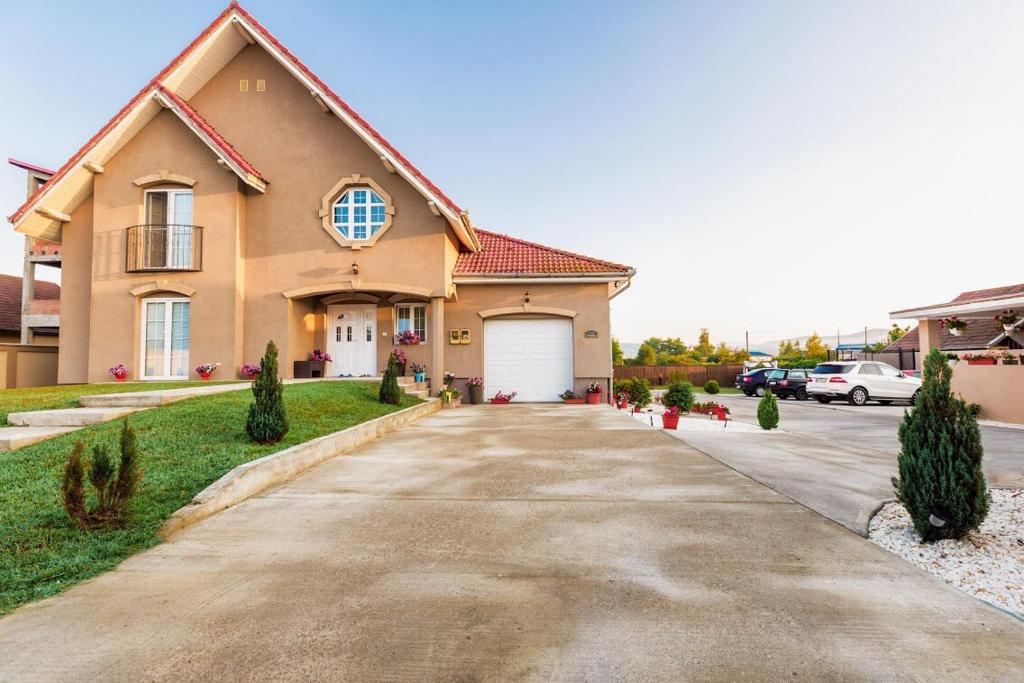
(68, 417)
(150, 399)
(12, 438)
(418, 393)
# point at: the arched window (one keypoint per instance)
(359, 213)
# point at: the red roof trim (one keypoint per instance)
(29, 167)
(63, 170)
(501, 254)
(434, 189)
(207, 128)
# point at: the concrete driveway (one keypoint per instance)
(507, 543)
(838, 459)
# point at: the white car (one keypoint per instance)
(861, 381)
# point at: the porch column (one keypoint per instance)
(438, 340)
(928, 336)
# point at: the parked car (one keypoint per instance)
(861, 381)
(786, 382)
(753, 383)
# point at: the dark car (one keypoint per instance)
(788, 382)
(753, 383)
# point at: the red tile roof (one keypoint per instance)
(207, 128)
(979, 333)
(501, 254)
(10, 300)
(986, 294)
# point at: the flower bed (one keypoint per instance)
(988, 563)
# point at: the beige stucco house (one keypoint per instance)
(237, 199)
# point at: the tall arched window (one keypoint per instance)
(359, 213)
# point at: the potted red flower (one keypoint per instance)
(400, 360)
(570, 396)
(594, 393)
(476, 390)
(119, 372)
(250, 371)
(953, 324)
(621, 401)
(979, 359)
(670, 418)
(206, 369)
(501, 398)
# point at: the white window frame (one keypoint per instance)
(181, 258)
(168, 303)
(350, 226)
(412, 319)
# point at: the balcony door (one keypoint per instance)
(169, 217)
(165, 338)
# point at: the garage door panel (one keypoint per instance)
(530, 357)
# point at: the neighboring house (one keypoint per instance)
(998, 389)
(238, 199)
(40, 315)
(10, 309)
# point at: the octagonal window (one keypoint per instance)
(358, 213)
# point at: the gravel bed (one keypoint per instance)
(988, 563)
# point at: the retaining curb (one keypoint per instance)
(252, 478)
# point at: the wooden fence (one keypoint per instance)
(660, 375)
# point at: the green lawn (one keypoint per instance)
(67, 395)
(184, 447)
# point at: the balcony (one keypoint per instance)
(158, 247)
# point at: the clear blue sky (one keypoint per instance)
(873, 150)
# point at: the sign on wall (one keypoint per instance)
(459, 336)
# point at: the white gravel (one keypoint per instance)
(988, 563)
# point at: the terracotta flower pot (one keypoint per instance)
(982, 361)
(499, 401)
(669, 421)
(205, 376)
(594, 398)
(121, 379)
(623, 404)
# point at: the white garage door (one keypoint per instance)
(531, 357)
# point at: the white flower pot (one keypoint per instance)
(955, 331)
(1009, 328)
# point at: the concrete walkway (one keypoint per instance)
(838, 459)
(515, 542)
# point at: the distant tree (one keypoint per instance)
(704, 348)
(897, 332)
(616, 352)
(646, 355)
(815, 349)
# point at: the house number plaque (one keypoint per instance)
(590, 334)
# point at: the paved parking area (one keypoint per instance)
(838, 459)
(519, 542)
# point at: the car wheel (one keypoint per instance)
(913, 399)
(823, 399)
(801, 394)
(747, 393)
(886, 403)
(759, 392)
(858, 396)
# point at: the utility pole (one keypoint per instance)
(747, 334)
(865, 335)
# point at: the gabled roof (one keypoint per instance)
(978, 302)
(230, 32)
(10, 300)
(988, 294)
(502, 255)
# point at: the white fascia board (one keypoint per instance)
(453, 218)
(966, 308)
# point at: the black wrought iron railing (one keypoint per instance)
(158, 247)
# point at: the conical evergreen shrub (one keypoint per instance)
(941, 483)
(768, 411)
(389, 391)
(267, 421)
(114, 488)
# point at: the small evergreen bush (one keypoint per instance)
(267, 421)
(768, 411)
(114, 487)
(679, 395)
(712, 386)
(389, 391)
(639, 392)
(941, 483)
(621, 386)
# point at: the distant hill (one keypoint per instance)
(874, 335)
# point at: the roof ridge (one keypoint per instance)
(208, 127)
(564, 252)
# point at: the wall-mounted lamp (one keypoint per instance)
(355, 268)
(526, 297)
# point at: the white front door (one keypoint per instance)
(352, 340)
(530, 357)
